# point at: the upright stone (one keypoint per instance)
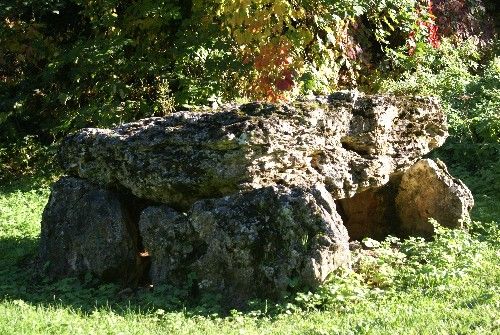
(427, 191)
(88, 229)
(405, 204)
(255, 243)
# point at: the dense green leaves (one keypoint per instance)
(73, 63)
(99, 67)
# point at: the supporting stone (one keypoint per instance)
(426, 191)
(88, 229)
(257, 243)
(404, 206)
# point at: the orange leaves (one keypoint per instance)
(258, 28)
(273, 66)
(273, 55)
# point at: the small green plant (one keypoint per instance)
(453, 253)
(380, 265)
(394, 266)
(342, 289)
(165, 98)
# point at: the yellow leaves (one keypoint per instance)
(253, 23)
(235, 10)
(282, 10)
(9, 23)
(280, 39)
(267, 35)
(298, 13)
(243, 38)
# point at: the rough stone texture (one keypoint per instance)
(405, 204)
(254, 243)
(254, 199)
(86, 228)
(426, 191)
(347, 142)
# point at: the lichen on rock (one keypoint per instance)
(348, 144)
(252, 243)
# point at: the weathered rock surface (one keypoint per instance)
(86, 228)
(254, 243)
(346, 142)
(426, 191)
(251, 200)
(405, 204)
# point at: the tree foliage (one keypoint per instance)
(67, 64)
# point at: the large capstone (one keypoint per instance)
(250, 200)
(346, 142)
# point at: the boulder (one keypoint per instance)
(253, 243)
(88, 229)
(250, 200)
(347, 142)
(427, 191)
(404, 205)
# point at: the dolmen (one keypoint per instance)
(248, 200)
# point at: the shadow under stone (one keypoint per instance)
(372, 213)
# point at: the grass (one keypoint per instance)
(447, 286)
(411, 313)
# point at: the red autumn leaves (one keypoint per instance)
(274, 65)
(429, 25)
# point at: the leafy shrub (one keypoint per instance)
(67, 64)
(70, 63)
(394, 266)
(452, 254)
(291, 47)
(26, 157)
(469, 93)
(477, 111)
(99, 67)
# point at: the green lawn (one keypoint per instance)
(448, 286)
